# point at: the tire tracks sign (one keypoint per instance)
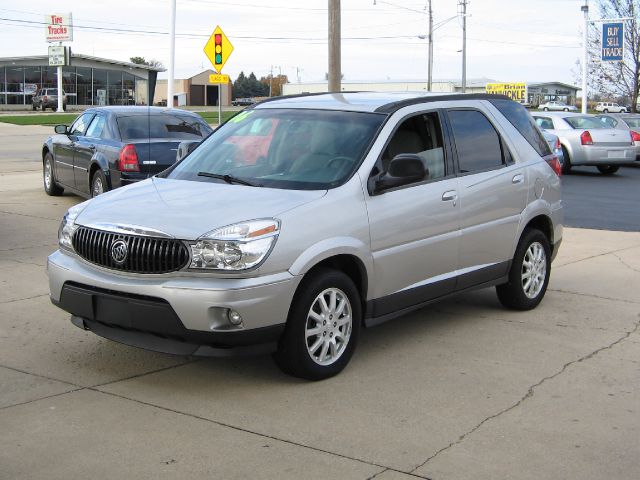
(516, 91)
(612, 42)
(58, 28)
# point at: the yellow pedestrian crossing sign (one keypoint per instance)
(218, 48)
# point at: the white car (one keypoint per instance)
(607, 107)
(557, 106)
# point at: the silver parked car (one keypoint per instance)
(557, 107)
(629, 122)
(587, 141)
(360, 208)
(554, 144)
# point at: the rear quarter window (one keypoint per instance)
(522, 121)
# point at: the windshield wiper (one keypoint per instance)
(228, 179)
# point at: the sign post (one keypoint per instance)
(217, 49)
(59, 28)
(612, 42)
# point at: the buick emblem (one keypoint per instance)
(119, 251)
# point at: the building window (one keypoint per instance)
(84, 94)
(15, 85)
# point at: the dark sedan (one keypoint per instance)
(109, 147)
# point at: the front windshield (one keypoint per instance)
(283, 148)
(580, 123)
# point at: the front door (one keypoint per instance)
(414, 228)
(86, 146)
(65, 147)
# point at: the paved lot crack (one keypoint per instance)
(625, 263)
(30, 216)
(612, 252)
(30, 246)
(591, 295)
(41, 398)
(25, 298)
(252, 432)
(530, 393)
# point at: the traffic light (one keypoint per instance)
(218, 48)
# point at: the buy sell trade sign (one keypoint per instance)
(217, 49)
(612, 42)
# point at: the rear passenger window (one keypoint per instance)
(477, 142)
(545, 123)
(420, 135)
(522, 121)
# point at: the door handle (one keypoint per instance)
(518, 178)
(449, 196)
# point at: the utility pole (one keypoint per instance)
(172, 55)
(464, 45)
(585, 58)
(334, 46)
(430, 76)
(271, 82)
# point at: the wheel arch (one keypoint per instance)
(99, 163)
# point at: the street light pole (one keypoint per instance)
(334, 46)
(464, 45)
(585, 57)
(430, 76)
(172, 55)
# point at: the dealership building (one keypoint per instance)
(86, 81)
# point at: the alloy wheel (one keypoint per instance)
(534, 270)
(98, 187)
(328, 326)
(47, 175)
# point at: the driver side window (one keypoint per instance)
(80, 125)
(420, 135)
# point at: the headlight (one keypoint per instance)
(68, 226)
(236, 247)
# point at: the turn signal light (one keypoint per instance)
(128, 159)
(635, 136)
(585, 138)
(554, 163)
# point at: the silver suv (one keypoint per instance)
(303, 219)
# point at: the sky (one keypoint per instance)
(507, 40)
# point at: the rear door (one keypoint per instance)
(414, 228)
(493, 193)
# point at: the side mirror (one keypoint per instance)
(61, 129)
(185, 148)
(404, 169)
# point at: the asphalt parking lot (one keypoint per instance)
(460, 390)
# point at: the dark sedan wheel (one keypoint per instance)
(608, 169)
(322, 328)
(98, 184)
(48, 177)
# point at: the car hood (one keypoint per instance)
(188, 209)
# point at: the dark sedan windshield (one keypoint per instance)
(284, 148)
(165, 125)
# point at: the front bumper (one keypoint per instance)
(198, 302)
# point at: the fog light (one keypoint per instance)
(234, 317)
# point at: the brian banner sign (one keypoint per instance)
(515, 91)
(612, 42)
(58, 28)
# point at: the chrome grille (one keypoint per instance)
(144, 254)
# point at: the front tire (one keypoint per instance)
(49, 178)
(529, 273)
(565, 109)
(322, 328)
(546, 109)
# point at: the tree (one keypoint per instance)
(151, 63)
(274, 83)
(616, 79)
(249, 86)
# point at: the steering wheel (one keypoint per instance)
(339, 160)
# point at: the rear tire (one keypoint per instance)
(566, 161)
(529, 273)
(546, 109)
(49, 178)
(98, 184)
(606, 110)
(608, 169)
(322, 328)
(565, 109)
